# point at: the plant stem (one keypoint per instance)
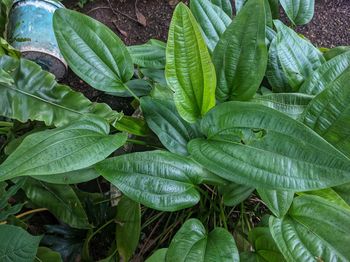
(132, 93)
(7, 124)
(27, 213)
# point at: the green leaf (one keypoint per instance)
(139, 87)
(5, 6)
(62, 150)
(292, 104)
(274, 71)
(7, 49)
(189, 70)
(260, 147)
(344, 192)
(315, 230)
(239, 5)
(234, 194)
(298, 57)
(133, 125)
(167, 124)
(17, 245)
(158, 256)
(69, 178)
(92, 50)
(149, 55)
(240, 57)
(193, 243)
(60, 200)
(275, 8)
(157, 179)
(328, 114)
(327, 75)
(278, 201)
(264, 246)
(46, 254)
(128, 227)
(35, 95)
(212, 20)
(333, 52)
(300, 12)
(225, 5)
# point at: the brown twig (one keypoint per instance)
(27, 213)
(117, 12)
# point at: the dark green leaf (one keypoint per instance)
(139, 87)
(292, 104)
(62, 150)
(225, 5)
(240, 57)
(128, 227)
(133, 125)
(193, 243)
(167, 124)
(298, 57)
(331, 53)
(328, 114)
(60, 200)
(157, 179)
(278, 201)
(315, 230)
(158, 256)
(239, 5)
(149, 55)
(300, 12)
(47, 255)
(344, 192)
(189, 70)
(212, 20)
(17, 245)
(92, 50)
(330, 73)
(233, 194)
(260, 147)
(35, 95)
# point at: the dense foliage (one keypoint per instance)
(235, 106)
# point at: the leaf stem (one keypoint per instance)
(29, 212)
(132, 93)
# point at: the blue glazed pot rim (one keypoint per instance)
(52, 2)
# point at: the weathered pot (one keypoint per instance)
(30, 30)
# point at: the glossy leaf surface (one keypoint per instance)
(17, 245)
(193, 243)
(92, 50)
(157, 179)
(62, 150)
(278, 201)
(240, 57)
(35, 95)
(234, 194)
(189, 70)
(225, 5)
(300, 12)
(69, 178)
(298, 57)
(276, 152)
(212, 20)
(167, 124)
(313, 231)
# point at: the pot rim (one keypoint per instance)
(51, 2)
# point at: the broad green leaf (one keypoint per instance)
(260, 147)
(157, 179)
(155, 75)
(292, 104)
(193, 243)
(333, 52)
(264, 246)
(5, 6)
(278, 201)
(274, 71)
(239, 5)
(212, 20)
(69, 178)
(315, 230)
(60, 200)
(189, 70)
(149, 55)
(298, 57)
(300, 12)
(225, 5)
(92, 50)
(234, 194)
(327, 75)
(35, 95)
(344, 192)
(158, 256)
(6, 207)
(167, 124)
(128, 227)
(240, 57)
(62, 150)
(139, 87)
(328, 114)
(17, 245)
(275, 8)
(133, 125)
(47, 255)
(7, 49)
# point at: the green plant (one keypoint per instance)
(238, 107)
